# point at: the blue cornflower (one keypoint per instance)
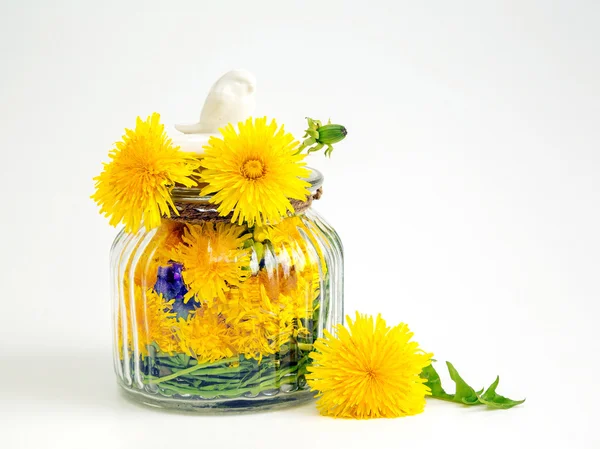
(169, 283)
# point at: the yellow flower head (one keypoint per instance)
(264, 312)
(369, 371)
(257, 328)
(204, 336)
(157, 253)
(254, 172)
(135, 186)
(213, 258)
(154, 321)
(293, 242)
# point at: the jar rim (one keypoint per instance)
(192, 194)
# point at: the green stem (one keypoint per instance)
(228, 387)
(222, 371)
(305, 346)
(191, 369)
(449, 398)
(300, 149)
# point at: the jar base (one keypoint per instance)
(219, 406)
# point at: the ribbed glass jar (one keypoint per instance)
(212, 316)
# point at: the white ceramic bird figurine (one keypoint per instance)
(230, 100)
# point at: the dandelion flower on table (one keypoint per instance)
(369, 370)
(135, 186)
(213, 258)
(254, 172)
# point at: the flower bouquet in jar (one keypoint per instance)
(223, 276)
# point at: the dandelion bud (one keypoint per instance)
(330, 134)
(318, 136)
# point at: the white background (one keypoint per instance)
(466, 194)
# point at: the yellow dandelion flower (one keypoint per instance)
(263, 313)
(292, 292)
(213, 258)
(255, 328)
(369, 371)
(300, 302)
(135, 186)
(204, 336)
(154, 321)
(278, 282)
(157, 253)
(293, 242)
(254, 172)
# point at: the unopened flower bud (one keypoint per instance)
(330, 134)
(318, 136)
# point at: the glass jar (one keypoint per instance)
(210, 315)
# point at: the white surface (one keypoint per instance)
(466, 194)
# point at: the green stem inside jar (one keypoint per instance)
(192, 369)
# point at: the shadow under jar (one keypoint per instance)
(212, 316)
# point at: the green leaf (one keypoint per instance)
(464, 392)
(494, 400)
(434, 383)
